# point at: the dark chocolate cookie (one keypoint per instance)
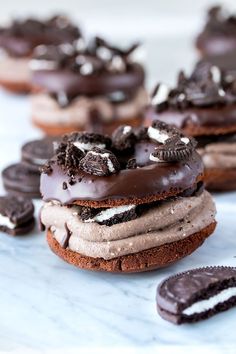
(197, 294)
(16, 215)
(18, 179)
(123, 138)
(36, 153)
(87, 141)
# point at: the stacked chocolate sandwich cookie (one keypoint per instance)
(18, 40)
(203, 105)
(127, 204)
(23, 178)
(95, 88)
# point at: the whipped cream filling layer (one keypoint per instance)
(167, 222)
(211, 303)
(46, 110)
(5, 221)
(15, 70)
(219, 155)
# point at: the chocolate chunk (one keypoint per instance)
(16, 215)
(174, 149)
(110, 216)
(68, 156)
(197, 294)
(123, 138)
(87, 141)
(100, 162)
(131, 164)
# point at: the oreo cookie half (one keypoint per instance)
(87, 141)
(174, 149)
(100, 162)
(16, 215)
(197, 294)
(160, 131)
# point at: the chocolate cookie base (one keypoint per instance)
(16, 87)
(146, 260)
(107, 128)
(220, 179)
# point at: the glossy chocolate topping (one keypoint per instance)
(205, 99)
(145, 181)
(219, 33)
(21, 37)
(73, 83)
(94, 69)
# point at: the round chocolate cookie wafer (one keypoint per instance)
(146, 260)
(16, 215)
(36, 153)
(197, 294)
(18, 179)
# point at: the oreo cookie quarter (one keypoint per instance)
(16, 215)
(197, 294)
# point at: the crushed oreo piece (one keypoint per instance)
(87, 141)
(99, 162)
(110, 216)
(174, 149)
(131, 164)
(69, 156)
(161, 131)
(141, 133)
(47, 167)
(123, 138)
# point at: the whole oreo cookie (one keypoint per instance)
(174, 149)
(18, 179)
(16, 215)
(100, 162)
(197, 294)
(36, 153)
(123, 138)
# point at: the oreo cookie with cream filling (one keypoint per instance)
(16, 215)
(174, 149)
(123, 138)
(100, 162)
(160, 131)
(69, 156)
(109, 216)
(197, 294)
(87, 141)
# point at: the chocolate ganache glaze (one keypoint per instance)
(124, 173)
(96, 69)
(203, 103)
(21, 37)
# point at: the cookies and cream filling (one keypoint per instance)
(209, 304)
(163, 223)
(219, 155)
(5, 221)
(46, 110)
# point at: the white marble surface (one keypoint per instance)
(47, 304)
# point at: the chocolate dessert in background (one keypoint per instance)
(219, 34)
(203, 105)
(129, 203)
(94, 88)
(21, 37)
